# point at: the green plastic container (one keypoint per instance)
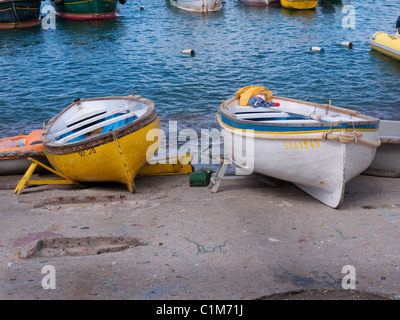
(200, 178)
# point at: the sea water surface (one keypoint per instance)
(43, 70)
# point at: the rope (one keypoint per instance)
(343, 138)
(21, 153)
(15, 12)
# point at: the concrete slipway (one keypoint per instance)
(247, 241)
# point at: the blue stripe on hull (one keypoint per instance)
(293, 129)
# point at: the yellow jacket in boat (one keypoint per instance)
(246, 93)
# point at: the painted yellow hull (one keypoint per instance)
(299, 4)
(386, 44)
(116, 161)
(115, 155)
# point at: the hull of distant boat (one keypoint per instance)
(114, 156)
(387, 44)
(302, 154)
(299, 4)
(19, 14)
(198, 5)
(87, 10)
(387, 159)
(14, 152)
(260, 3)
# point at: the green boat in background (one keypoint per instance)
(19, 14)
(87, 9)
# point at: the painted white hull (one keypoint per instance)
(387, 159)
(260, 3)
(320, 167)
(14, 166)
(198, 5)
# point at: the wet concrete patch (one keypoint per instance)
(335, 294)
(80, 246)
(79, 199)
(21, 242)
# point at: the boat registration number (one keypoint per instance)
(87, 152)
(301, 144)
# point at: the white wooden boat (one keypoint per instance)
(198, 5)
(317, 147)
(261, 3)
(387, 158)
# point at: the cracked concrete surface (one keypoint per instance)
(247, 241)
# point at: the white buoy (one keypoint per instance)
(347, 44)
(317, 49)
(188, 51)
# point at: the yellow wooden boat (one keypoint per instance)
(299, 4)
(386, 43)
(101, 139)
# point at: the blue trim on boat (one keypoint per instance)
(287, 127)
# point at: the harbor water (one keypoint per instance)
(43, 70)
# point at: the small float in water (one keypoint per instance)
(15, 151)
(101, 139)
(387, 159)
(386, 43)
(87, 9)
(198, 5)
(318, 147)
(299, 4)
(19, 14)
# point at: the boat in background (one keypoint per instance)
(317, 147)
(387, 159)
(299, 4)
(386, 43)
(102, 139)
(19, 14)
(261, 3)
(87, 9)
(198, 5)
(15, 151)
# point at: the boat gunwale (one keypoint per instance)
(367, 120)
(57, 149)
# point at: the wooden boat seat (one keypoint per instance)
(271, 116)
(94, 124)
(84, 114)
(240, 109)
(243, 115)
(275, 116)
(70, 126)
(292, 122)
